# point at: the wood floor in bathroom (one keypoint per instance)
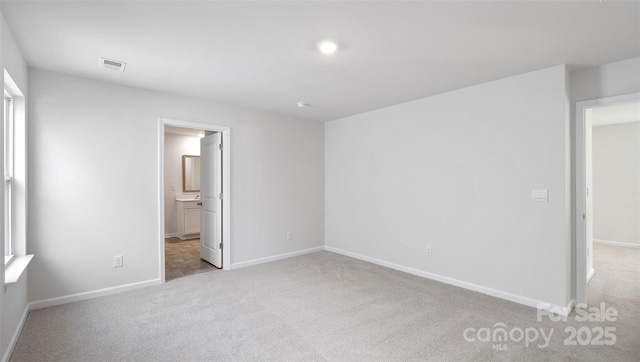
(182, 258)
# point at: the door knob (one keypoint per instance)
(199, 203)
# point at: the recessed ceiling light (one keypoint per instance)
(327, 46)
(303, 104)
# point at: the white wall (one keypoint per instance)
(455, 172)
(616, 183)
(605, 81)
(13, 300)
(175, 146)
(94, 184)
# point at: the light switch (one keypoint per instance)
(540, 195)
(173, 187)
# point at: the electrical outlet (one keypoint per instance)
(290, 235)
(428, 251)
(407, 245)
(173, 187)
(117, 261)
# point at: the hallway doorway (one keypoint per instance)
(607, 193)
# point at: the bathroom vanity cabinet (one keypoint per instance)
(188, 218)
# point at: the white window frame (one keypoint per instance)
(15, 207)
(8, 124)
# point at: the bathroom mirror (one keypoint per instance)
(190, 173)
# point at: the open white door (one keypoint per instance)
(211, 199)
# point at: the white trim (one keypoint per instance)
(16, 335)
(14, 269)
(170, 235)
(570, 306)
(161, 220)
(226, 185)
(580, 272)
(247, 263)
(590, 275)
(616, 243)
(562, 310)
(11, 86)
(92, 294)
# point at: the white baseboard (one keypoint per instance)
(570, 306)
(16, 334)
(590, 274)
(92, 294)
(247, 263)
(616, 243)
(170, 235)
(562, 310)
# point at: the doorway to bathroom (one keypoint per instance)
(193, 182)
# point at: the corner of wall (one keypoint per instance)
(449, 124)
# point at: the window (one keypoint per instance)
(8, 176)
(14, 142)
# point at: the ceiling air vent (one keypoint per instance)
(111, 64)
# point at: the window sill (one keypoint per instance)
(15, 268)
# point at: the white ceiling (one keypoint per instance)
(262, 54)
(616, 113)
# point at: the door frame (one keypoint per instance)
(226, 186)
(580, 256)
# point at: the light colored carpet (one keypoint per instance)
(315, 307)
